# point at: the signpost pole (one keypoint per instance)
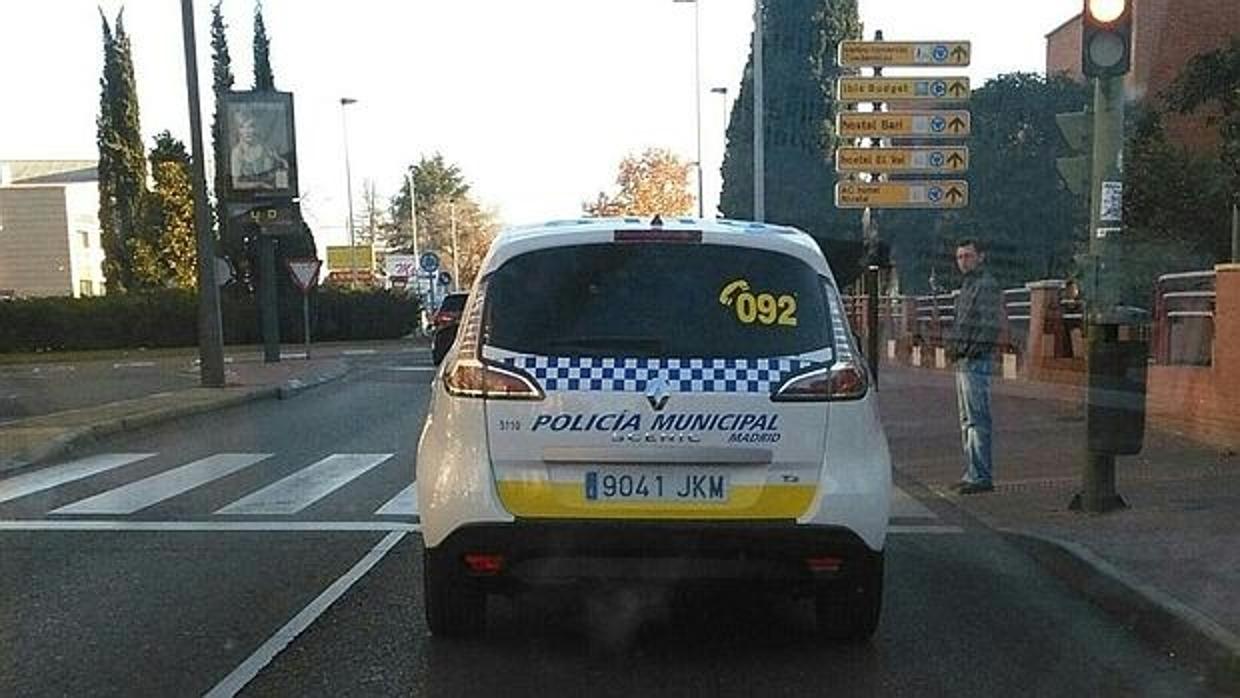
(268, 303)
(305, 319)
(871, 241)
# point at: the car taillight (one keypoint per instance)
(842, 381)
(470, 377)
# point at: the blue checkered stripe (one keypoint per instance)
(682, 375)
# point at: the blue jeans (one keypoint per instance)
(973, 400)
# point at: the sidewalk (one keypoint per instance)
(1177, 546)
(28, 441)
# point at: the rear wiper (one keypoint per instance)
(650, 346)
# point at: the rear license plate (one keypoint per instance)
(649, 485)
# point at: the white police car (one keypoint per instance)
(650, 401)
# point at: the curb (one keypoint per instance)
(68, 442)
(1153, 615)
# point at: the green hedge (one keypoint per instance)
(169, 318)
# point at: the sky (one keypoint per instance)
(536, 100)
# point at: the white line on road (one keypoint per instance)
(405, 503)
(243, 674)
(306, 486)
(414, 369)
(359, 352)
(216, 526)
(48, 478)
(157, 488)
(134, 364)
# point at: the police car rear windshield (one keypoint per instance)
(686, 301)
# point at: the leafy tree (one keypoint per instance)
(656, 182)
(1175, 207)
(442, 194)
(171, 214)
(434, 181)
(122, 158)
(263, 77)
(800, 69)
(1212, 79)
(1017, 204)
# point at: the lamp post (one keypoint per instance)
(348, 179)
(759, 128)
(723, 92)
(697, 95)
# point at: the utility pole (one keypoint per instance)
(210, 332)
(759, 133)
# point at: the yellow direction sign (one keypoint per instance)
(951, 89)
(948, 193)
(926, 124)
(904, 53)
(903, 160)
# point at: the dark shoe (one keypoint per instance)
(956, 487)
(977, 488)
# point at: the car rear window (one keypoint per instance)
(454, 303)
(673, 300)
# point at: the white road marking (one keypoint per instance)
(232, 684)
(904, 505)
(48, 478)
(217, 525)
(134, 364)
(359, 352)
(157, 488)
(413, 369)
(916, 530)
(306, 486)
(293, 355)
(405, 503)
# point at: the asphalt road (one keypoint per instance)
(32, 390)
(270, 550)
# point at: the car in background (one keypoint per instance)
(650, 403)
(444, 324)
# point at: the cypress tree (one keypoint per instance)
(114, 261)
(263, 77)
(800, 69)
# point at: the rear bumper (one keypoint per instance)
(537, 553)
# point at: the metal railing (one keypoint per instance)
(1184, 305)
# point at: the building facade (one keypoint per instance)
(49, 229)
(1166, 34)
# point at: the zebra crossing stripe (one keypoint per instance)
(54, 476)
(155, 489)
(405, 503)
(306, 486)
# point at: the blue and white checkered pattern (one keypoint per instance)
(682, 375)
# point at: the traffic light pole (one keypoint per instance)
(1098, 491)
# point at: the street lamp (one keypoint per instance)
(348, 179)
(697, 95)
(723, 92)
(759, 127)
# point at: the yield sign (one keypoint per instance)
(304, 270)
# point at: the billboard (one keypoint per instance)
(259, 154)
(346, 257)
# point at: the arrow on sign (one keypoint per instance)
(954, 195)
(959, 53)
(957, 88)
(954, 160)
(956, 125)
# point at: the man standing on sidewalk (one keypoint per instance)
(972, 345)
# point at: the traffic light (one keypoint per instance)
(1077, 130)
(1106, 37)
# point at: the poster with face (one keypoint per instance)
(260, 152)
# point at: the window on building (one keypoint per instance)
(84, 237)
(86, 287)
